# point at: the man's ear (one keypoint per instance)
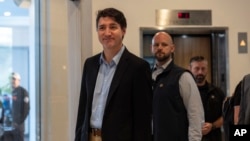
(173, 48)
(151, 49)
(124, 32)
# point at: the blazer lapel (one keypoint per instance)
(120, 71)
(93, 75)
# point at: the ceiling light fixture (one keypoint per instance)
(7, 13)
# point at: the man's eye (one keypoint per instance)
(101, 28)
(113, 27)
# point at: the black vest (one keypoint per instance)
(170, 122)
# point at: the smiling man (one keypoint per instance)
(116, 93)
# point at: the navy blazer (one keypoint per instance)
(127, 116)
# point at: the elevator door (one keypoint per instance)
(187, 46)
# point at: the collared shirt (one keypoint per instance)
(191, 99)
(159, 69)
(103, 82)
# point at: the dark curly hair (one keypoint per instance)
(113, 13)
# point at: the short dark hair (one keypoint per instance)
(197, 59)
(113, 13)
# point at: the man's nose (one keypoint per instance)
(107, 31)
(160, 46)
(200, 71)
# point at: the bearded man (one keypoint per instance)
(212, 98)
(177, 108)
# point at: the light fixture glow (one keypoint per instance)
(184, 36)
(242, 43)
(7, 13)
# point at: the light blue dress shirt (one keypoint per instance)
(103, 82)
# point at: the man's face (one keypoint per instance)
(199, 70)
(15, 82)
(110, 33)
(162, 47)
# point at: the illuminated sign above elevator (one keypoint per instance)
(166, 17)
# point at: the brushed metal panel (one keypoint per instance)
(166, 17)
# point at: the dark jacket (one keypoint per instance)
(212, 99)
(20, 105)
(127, 116)
(244, 115)
(169, 113)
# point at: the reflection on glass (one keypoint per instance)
(18, 117)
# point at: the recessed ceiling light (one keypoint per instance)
(7, 13)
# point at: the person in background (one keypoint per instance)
(177, 108)
(244, 109)
(7, 110)
(236, 102)
(212, 99)
(116, 92)
(231, 108)
(20, 107)
(1, 119)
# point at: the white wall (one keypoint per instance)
(225, 13)
(69, 37)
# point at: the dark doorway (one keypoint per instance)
(208, 42)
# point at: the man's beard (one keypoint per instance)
(200, 78)
(161, 57)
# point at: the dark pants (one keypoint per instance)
(16, 134)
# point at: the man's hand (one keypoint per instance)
(207, 127)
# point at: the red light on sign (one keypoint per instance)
(182, 15)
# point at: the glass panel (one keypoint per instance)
(19, 102)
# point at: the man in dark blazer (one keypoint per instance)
(116, 93)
